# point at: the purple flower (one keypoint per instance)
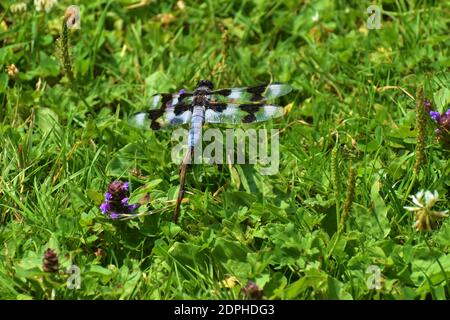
(116, 200)
(442, 124)
(50, 263)
(436, 116)
(132, 207)
(182, 91)
(105, 207)
(118, 188)
(252, 291)
(114, 215)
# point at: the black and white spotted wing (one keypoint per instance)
(251, 94)
(235, 105)
(166, 110)
(241, 113)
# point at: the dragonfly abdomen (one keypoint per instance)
(195, 131)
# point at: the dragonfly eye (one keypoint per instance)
(205, 83)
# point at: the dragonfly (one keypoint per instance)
(206, 105)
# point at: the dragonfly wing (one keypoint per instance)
(166, 110)
(251, 94)
(241, 113)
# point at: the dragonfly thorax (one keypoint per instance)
(201, 93)
(200, 97)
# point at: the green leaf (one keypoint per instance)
(275, 286)
(170, 229)
(336, 290)
(188, 255)
(3, 82)
(24, 297)
(373, 222)
(124, 160)
(47, 67)
(46, 119)
(312, 279)
(157, 82)
(94, 195)
(433, 272)
(442, 99)
(229, 250)
(99, 270)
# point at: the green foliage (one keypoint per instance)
(64, 137)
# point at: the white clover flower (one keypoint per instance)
(18, 7)
(315, 17)
(44, 5)
(181, 5)
(426, 219)
(12, 70)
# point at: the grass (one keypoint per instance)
(353, 106)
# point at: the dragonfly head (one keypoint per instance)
(205, 83)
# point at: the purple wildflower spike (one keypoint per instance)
(116, 200)
(114, 215)
(50, 261)
(132, 207)
(436, 116)
(104, 207)
(442, 123)
(252, 291)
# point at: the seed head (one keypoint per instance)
(50, 261)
